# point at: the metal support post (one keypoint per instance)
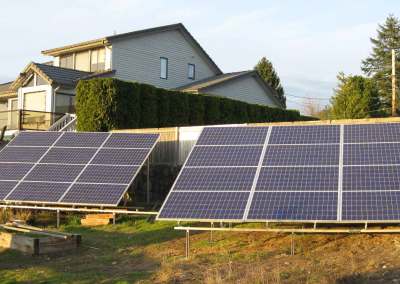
(58, 219)
(148, 181)
(292, 245)
(114, 217)
(187, 248)
(211, 232)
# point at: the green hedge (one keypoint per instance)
(103, 104)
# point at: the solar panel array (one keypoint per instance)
(290, 173)
(75, 168)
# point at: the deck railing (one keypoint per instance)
(28, 119)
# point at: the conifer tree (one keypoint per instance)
(268, 73)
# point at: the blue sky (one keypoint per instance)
(309, 42)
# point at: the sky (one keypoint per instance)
(309, 42)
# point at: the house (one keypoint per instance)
(167, 57)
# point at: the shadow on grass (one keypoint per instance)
(381, 276)
(108, 254)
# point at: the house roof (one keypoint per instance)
(5, 87)
(109, 39)
(199, 86)
(6, 91)
(52, 74)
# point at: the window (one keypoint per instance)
(82, 61)
(191, 71)
(35, 101)
(67, 61)
(64, 103)
(163, 68)
(98, 60)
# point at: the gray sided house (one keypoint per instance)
(167, 57)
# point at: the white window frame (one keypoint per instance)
(190, 76)
(164, 59)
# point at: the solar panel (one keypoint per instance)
(294, 206)
(205, 205)
(371, 154)
(38, 192)
(14, 171)
(100, 194)
(233, 136)
(362, 133)
(298, 179)
(218, 179)
(35, 139)
(72, 168)
(302, 155)
(290, 173)
(305, 134)
(224, 156)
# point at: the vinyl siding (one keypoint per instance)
(246, 89)
(138, 59)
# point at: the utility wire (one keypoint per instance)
(309, 98)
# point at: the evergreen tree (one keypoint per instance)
(355, 97)
(268, 73)
(378, 65)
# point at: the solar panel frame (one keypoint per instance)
(39, 161)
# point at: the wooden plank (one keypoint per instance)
(95, 222)
(99, 216)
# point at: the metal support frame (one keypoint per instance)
(74, 209)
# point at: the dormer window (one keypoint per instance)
(163, 68)
(191, 71)
(67, 61)
(98, 60)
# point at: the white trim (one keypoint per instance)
(340, 175)
(255, 180)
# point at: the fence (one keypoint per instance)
(174, 145)
(28, 119)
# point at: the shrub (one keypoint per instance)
(103, 104)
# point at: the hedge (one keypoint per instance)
(103, 104)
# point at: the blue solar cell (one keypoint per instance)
(224, 156)
(305, 134)
(69, 155)
(35, 139)
(285, 155)
(52, 172)
(22, 154)
(388, 132)
(205, 205)
(131, 140)
(108, 174)
(6, 187)
(218, 179)
(371, 178)
(102, 194)
(296, 206)
(82, 139)
(367, 206)
(233, 136)
(38, 192)
(295, 179)
(120, 156)
(11, 171)
(371, 154)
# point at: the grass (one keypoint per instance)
(135, 251)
